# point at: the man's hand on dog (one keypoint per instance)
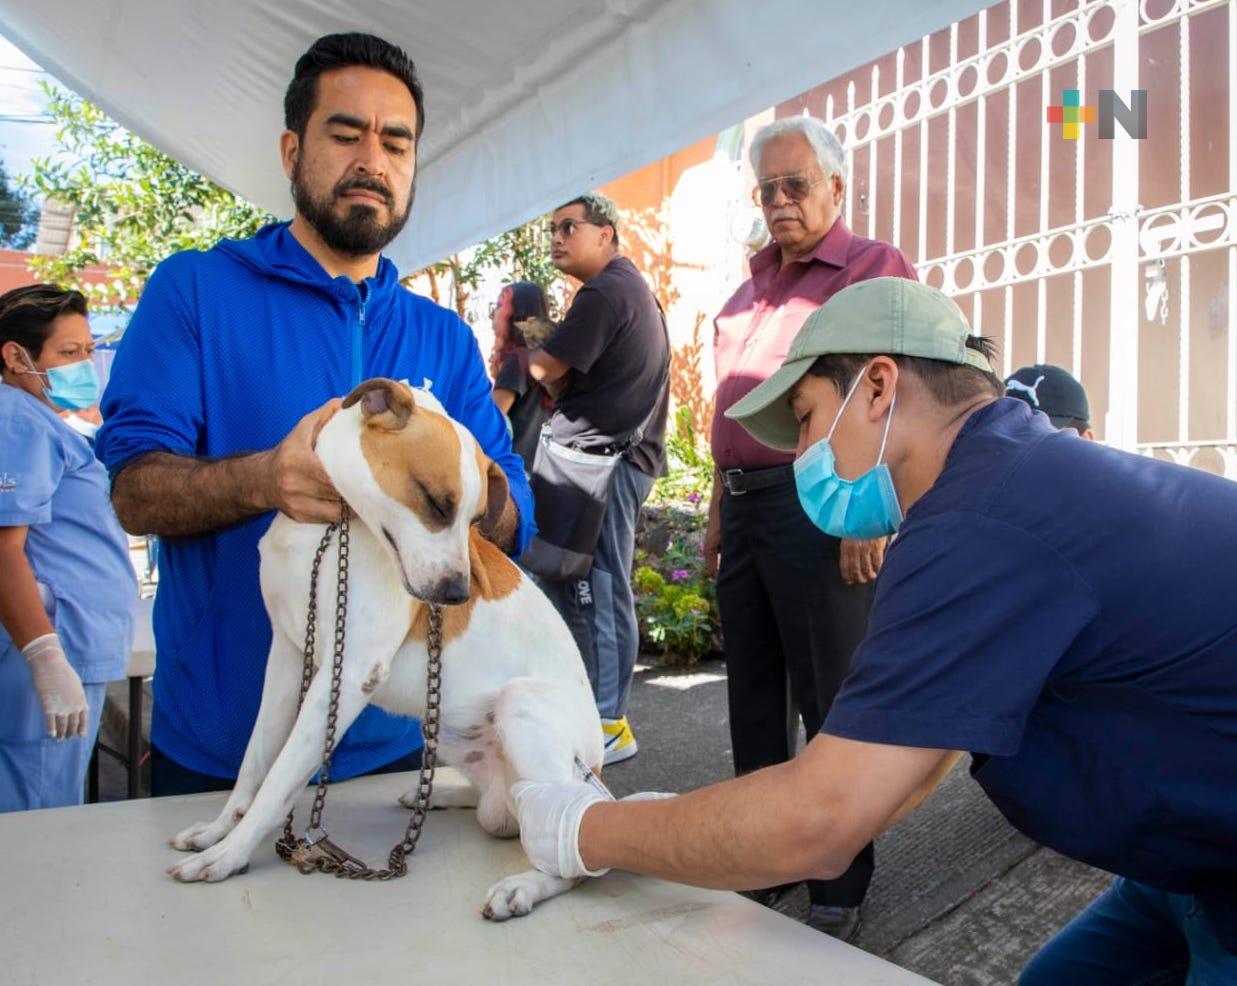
(299, 486)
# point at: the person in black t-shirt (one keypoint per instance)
(608, 364)
(518, 395)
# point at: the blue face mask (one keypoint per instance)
(73, 387)
(857, 509)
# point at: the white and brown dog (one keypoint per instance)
(516, 702)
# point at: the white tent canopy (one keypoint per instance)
(528, 102)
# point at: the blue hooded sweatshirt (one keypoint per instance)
(227, 351)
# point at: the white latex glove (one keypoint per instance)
(58, 687)
(550, 816)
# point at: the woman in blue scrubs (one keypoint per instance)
(68, 591)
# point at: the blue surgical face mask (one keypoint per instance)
(857, 509)
(73, 387)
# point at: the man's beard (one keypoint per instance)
(360, 233)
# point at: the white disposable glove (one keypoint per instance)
(58, 687)
(550, 816)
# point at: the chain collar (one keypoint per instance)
(315, 852)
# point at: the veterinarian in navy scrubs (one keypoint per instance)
(67, 588)
(1065, 612)
(220, 383)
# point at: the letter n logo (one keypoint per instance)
(1133, 118)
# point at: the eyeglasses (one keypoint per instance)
(794, 187)
(568, 226)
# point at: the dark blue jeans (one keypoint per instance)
(1135, 935)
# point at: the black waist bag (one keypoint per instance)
(571, 489)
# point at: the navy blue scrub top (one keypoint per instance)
(1068, 613)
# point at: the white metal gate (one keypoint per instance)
(1105, 266)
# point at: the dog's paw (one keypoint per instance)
(214, 864)
(198, 836)
(511, 898)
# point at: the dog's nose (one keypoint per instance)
(452, 590)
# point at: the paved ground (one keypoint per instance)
(958, 896)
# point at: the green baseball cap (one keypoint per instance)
(885, 315)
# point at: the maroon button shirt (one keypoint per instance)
(753, 331)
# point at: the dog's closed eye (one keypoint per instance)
(441, 508)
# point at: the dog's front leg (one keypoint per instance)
(539, 724)
(280, 692)
(296, 763)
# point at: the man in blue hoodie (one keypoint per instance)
(227, 369)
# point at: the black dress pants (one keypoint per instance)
(786, 611)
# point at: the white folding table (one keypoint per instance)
(84, 899)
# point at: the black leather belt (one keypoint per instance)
(740, 481)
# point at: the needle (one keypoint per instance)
(593, 780)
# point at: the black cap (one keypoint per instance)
(1052, 390)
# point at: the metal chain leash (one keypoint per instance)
(315, 852)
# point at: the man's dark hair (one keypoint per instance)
(27, 314)
(948, 383)
(334, 51)
(1078, 424)
(598, 210)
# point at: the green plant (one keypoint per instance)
(677, 616)
(689, 466)
(133, 204)
(522, 254)
(675, 600)
(19, 216)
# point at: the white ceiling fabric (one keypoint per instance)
(528, 102)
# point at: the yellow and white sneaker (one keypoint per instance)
(619, 739)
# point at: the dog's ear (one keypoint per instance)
(385, 403)
(497, 492)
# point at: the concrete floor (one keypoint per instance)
(958, 895)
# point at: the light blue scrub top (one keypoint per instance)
(51, 483)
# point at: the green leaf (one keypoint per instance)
(134, 205)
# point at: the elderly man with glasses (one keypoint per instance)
(794, 601)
